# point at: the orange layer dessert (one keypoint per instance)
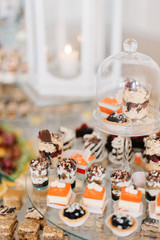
(94, 195)
(59, 193)
(109, 105)
(130, 199)
(83, 163)
(157, 204)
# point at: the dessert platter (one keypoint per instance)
(71, 177)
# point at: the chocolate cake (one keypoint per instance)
(82, 130)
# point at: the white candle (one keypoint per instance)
(69, 61)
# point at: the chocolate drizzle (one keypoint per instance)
(120, 176)
(6, 210)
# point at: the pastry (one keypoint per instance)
(121, 224)
(135, 99)
(94, 143)
(74, 215)
(28, 230)
(82, 130)
(59, 193)
(130, 199)
(152, 152)
(52, 233)
(13, 199)
(117, 118)
(119, 178)
(109, 105)
(94, 196)
(115, 147)
(152, 185)
(83, 163)
(68, 137)
(150, 228)
(66, 170)
(33, 214)
(39, 172)
(7, 228)
(8, 213)
(96, 174)
(50, 146)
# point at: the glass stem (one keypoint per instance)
(126, 153)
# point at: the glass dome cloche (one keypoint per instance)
(128, 97)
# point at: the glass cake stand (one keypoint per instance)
(93, 229)
(138, 76)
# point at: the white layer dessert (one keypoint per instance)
(116, 154)
(94, 143)
(50, 146)
(135, 100)
(68, 136)
(94, 195)
(59, 193)
(130, 199)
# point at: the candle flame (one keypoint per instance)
(68, 49)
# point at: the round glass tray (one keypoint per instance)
(146, 126)
(93, 229)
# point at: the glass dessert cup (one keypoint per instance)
(127, 99)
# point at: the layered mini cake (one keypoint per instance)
(7, 228)
(39, 172)
(130, 199)
(94, 143)
(96, 174)
(109, 105)
(117, 119)
(53, 233)
(59, 193)
(50, 146)
(115, 147)
(34, 215)
(150, 228)
(152, 152)
(66, 170)
(83, 163)
(13, 198)
(68, 136)
(8, 213)
(74, 215)
(152, 185)
(28, 230)
(121, 224)
(135, 100)
(120, 178)
(94, 196)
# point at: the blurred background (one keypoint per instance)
(50, 51)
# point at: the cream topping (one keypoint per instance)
(140, 95)
(58, 184)
(95, 187)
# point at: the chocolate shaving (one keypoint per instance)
(45, 135)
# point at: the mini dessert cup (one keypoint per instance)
(96, 174)
(152, 152)
(135, 99)
(152, 185)
(119, 178)
(50, 146)
(66, 170)
(39, 172)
